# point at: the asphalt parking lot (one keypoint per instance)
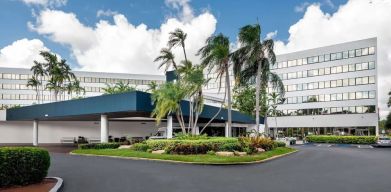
(314, 168)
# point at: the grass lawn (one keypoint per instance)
(199, 159)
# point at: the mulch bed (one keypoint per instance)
(44, 186)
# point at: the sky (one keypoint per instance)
(126, 35)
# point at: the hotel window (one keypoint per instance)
(345, 54)
(339, 97)
(364, 66)
(315, 59)
(284, 64)
(339, 55)
(352, 95)
(358, 95)
(371, 65)
(333, 70)
(364, 51)
(339, 69)
(345, 68)
(359, 109)
(345, 82)
(339, 83)
(321, 71)
(305, 74)
(358, 81)
(333, 97)
(358, 67)
(327, 84)
(364, 80)
(371, 50)
(352, 109)
(371, 80)
(321, 85)
(321, 58)
(299, 62)
(24, 77)
(358, 52)
(327, 70)
(333, 56)
(299, 99)
(304, 61)
(305, 86)
(365, 95)
(345, 96)
(351, 53)
(352, 67)
(299, 87)
(327, 57)
(333, 83)
(299, 74)
(327, 97)
(352, 81)
(7, 76)
(372, 94)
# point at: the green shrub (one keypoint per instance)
(140, 147)
(99, 146)
(231, 147)
(280, 144)
(181, 136)
(199, 146)
(341, 139)
(211, 152)
(23, 165)
(257, 142)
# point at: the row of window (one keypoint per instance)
(328, 70)
(329, 110)
(25, 87)
(31, 97)
(324, 58)
(83, 79)
(332, 97)
(330, 84)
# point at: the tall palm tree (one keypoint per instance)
(253, 59)
(77, 88)
(216, 55)
(34, 82)
(389, 100)
(177, 38)
(39, 72)
(166, 58)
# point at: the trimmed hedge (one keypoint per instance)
(99, 146)
(214, 143)
(280, 144)
(341, 139)
(23, 165)
(140, 147)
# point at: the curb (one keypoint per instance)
(184, 162)
(58, 185)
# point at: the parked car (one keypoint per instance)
(383, 142)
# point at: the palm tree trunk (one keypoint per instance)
(214, 117)
(228, 90)
(257, 90)
(184, 51)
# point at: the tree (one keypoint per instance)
(167, 59)
(39, 72)
(34, 82)
(389, 99)
(244, 99)
(252, 61)
(177, 38)
(119, 87)
(216, 56)
(387, 124)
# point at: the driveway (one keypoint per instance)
(313, 168)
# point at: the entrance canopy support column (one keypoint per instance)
(169, 127)
(227, 131)
(104, 129)
(35, 133)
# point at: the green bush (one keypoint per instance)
(181, 136)
(341, 139)
(199, 146)
(140, 147)
(257, 142)
(231, 147)
(99, 146)
(280, 144)
(211, 152)
(23, 165)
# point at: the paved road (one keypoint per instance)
(314, 168)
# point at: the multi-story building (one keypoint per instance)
(329, 90)
(15, 92)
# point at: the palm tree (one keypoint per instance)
(274, 100)
(39, 72)
(389, 100)
(34, 82)
(166, 58)
(216, 55)
(177, 38)
(253, 59)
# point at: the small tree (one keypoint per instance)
(244, 99)
(119, 87)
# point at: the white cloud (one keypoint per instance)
(271, 35)
(121, 46)
(106, 13)
(357, 19)
(21, 53)
(46, 3)
(301, 8)
(186, 11)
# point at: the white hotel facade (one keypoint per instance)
(329, 90)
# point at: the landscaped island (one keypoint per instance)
(195, 149)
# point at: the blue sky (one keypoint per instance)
(231, 15)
